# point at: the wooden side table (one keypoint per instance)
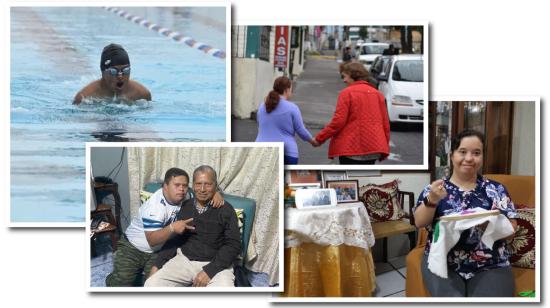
(114, 228)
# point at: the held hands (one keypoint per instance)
(217, 201)
(181, 225)
(437, 191)
(201, 280)
(314, 142)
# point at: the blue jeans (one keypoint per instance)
(289, 160)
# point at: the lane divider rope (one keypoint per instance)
(176, 36)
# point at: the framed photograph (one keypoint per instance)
(123, 34)
(347, 41)
(362, 173)
(304, 186)
(305, 176)
(333, 175)
(315, 198)
(346, 191)
(177, 161)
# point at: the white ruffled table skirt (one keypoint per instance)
(345, 224)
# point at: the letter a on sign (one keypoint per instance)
(281, 46)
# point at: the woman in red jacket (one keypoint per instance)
(360, 128)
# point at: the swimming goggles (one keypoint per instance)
(113, 71)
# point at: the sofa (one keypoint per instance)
(522, 191)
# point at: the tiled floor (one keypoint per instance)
(390, 278)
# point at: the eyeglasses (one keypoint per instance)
(113, 71)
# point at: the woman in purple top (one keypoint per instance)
(279, 120)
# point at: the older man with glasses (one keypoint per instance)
(203, 256)
(115, 83)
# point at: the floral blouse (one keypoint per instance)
(470, 256)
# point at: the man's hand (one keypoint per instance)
(201, 280)
(154, 269)
(181, 225)
(217, 200)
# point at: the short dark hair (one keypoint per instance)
(466, 133)
(455, 143)
(174, 172)
(206, 169)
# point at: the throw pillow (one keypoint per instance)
(382, 202)
(522, 247)
(240, 218)
(144, 196)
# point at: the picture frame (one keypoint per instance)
(333, 175)
(297, 186)
(346, 191)
(363, 173)
(305, 176)
(315, 198)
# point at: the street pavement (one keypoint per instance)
(316, 92)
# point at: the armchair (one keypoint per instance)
(522, 191)
(246, 204)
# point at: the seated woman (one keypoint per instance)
(280, 120)
(474, 269)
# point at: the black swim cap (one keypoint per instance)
(113, 54)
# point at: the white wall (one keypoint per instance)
(523, 139)
(251, 81)
(103, 160)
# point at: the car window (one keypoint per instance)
(373, 49)
(408, 70)
(386, 65)
(376, 66)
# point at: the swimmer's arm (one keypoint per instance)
(141, 91)
(144, 92)
(78, 98)
(88, 90)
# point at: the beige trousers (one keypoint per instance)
(180, 272)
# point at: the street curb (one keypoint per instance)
(320, 57)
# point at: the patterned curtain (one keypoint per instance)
(251, 172)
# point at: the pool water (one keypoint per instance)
(55, 52)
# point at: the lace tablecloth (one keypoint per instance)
(347, 224)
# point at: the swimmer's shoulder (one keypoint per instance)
(141, 92)
(92, 89)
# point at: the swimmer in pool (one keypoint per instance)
(115, 80)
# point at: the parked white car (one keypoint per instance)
(402, 84)
(369, 51)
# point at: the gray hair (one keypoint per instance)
(206, 169)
